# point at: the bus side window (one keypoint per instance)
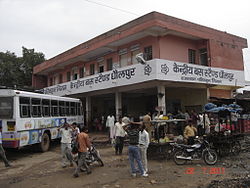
(62, 109)
(54, 108)
(78, 109)
(46, 107)
(72, 108)
(67, 109)
(24, 107)
(36, 107)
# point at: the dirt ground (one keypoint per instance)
(35, 169)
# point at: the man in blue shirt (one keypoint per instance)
(2, 152)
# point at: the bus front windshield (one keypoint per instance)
(6, 107)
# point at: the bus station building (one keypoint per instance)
(186, 65)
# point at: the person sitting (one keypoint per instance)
(189, 132)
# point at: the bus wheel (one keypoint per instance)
(44, 145)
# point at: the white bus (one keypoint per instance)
(30, 118)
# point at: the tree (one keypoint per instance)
(17, 71)
(29, 60)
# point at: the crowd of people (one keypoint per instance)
(135, 131)
(139, 135)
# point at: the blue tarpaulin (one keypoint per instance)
(210, 107)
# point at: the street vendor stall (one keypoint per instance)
(164, 133)
(225, 134)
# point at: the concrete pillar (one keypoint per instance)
(208, 94)
(118, 105)
(88, 110)
(161, 96)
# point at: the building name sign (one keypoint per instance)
(156, 69)
(102, 77)
(202, 74)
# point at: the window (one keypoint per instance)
(203, 56)
(75, 76)
(6, 107)
(148, 53)
(101, 68)
(109, 64)
(54, 108)
(92, 69)
(133, 54)
(51, 81)
(68, 76)
(72, 108)
(82, 70)
(191, 56)
(56, 79)
(24, 107)
(36, 110)
(123, 60)
(79, 109)
(46, 107)
(74, 73)
(61, 108)
(67, 111)
(60, 78)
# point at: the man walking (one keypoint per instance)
(2, 152)
(84, 144)
(133, 148)
(66, 137)
(143, 145)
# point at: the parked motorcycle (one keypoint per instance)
(200, 150)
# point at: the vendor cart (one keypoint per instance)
(164, 133)
(225, 135)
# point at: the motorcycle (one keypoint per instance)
(198, 151)
(93, 155)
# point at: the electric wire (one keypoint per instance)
(114, 8)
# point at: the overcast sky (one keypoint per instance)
(54, 26)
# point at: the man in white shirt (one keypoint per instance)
(110, 123)
(143, 145)
(2, 152)
(119, 136)
(66, 138)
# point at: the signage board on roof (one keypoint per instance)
(156, 69)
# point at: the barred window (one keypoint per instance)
(82, 70)
(68, 76)
(92, 69)
(203, 56)
(148, 53)
(191, 56)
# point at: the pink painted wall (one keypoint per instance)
(176, 49)
(226, 55)
(144, 42)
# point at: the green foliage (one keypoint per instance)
(17, 71)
